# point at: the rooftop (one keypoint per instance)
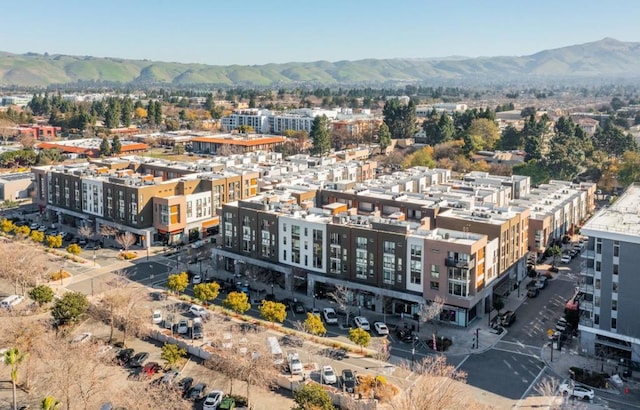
(622, 217)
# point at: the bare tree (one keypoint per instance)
(146, 396)
(133, 314)
(430, 310)
(341, 295)
(21, 265)
(547, 388)
(107, 231)
(86, 232)
(439, 386)
(126, 240)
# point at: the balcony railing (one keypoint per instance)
(588, 254)
(586, 322)
(588, 306)
(459, 263)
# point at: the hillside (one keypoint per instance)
(607, 58)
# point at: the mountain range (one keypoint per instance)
(606, 58)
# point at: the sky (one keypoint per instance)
(256, 32)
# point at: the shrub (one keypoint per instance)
(127, 255)
(58, 275)
(74, 249)
(443, 343)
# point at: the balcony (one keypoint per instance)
(459, 263)
(588, 306)
(586, 289)
(586, 322)
(588, 254)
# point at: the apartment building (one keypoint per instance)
(243, 143)
(608, 299)
(16, 186)
(387, 264)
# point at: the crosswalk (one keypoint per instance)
(520, 348)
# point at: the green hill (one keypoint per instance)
(604, 58)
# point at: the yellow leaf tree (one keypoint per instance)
(178, 282)
(206, 291)
(237, 301)
(74, 249)
(360, 337)
(313, 325)
(37, 236)
(273, 311)
(54, 241)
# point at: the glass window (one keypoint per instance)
(614, 323)
(435, 271)
(435, 285)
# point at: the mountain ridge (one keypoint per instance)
(603, 58)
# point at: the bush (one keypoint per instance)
(593, 379)
(443, 343)
(58, 275)
(127, 255)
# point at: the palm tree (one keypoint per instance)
(14, 358)
(50, 403)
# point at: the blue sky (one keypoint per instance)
(248, 32)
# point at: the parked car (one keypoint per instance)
(328, 375)
(566, 258)
(124, 356)
(157, 317)
(199, 311)
(573, 253)
(541, 282)
(295, 365)
(533, 292)
(348, 380)
(196, 331)
(508, 318)
(298, 307)
(381, 328)
(138, 359)
(212, 400)
(183, 327)
(293, 341)
(330, 316)
(228, 403)
(576, 390)
(196, 392)
(362, 323)
(150, 369)
(185, 384)
(170, 377)
(196, 279)
(404, 335)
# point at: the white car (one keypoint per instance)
(328, 375)
(199, 311)
(329, 316)
(362, 323)
(381, 328)
(295, 365)
(183, 327)
(196, 279)
(157, 317)
(565, 259)
(581, 392)
(213, 400)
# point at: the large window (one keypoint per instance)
(416, 272)
(458, 288)
(435, 271)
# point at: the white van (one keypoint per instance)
(276, 351)
(11, 301)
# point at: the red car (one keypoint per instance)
(151, 368)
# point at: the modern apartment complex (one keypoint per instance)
(609, 304)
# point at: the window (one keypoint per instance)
(596, 319)
(615, 268)
(389, 247)
(435, 285)
(615, 287)
(598, 245)
(597, 283)
(598, 266)
(435, 271)
(361, 242)
(614, 305)
(458, 288)
(614, 323)
(596, 301)
(416, 251)
(416, 272)
(616, 248)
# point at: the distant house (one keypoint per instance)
(246, 143)
(39, 132)
(90, 147)
(15, 186)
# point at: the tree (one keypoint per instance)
(498, 304)
(273, 311)
(105, 147)
(140, 113)
(384, 136)
(422, 158)
(311, 396)
(126, 240)
(360, 337)
(54, 241)
(237, 301)
(178, 149)
(21, 265)
(341, 296)
(629, 169)
(14, 358)
(430, 310)
(171, 354)
(74, 249)
(116, 145)
(400, 118)
(320, 135)
(70, 307)
(178, 282)
(555, 251)
(42, 294)
(511, 138)
(313, 325)
(439, 386)
(206, 291)
(37, 236)
(50, 403)
(485, 131)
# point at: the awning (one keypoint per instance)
(212, 222)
